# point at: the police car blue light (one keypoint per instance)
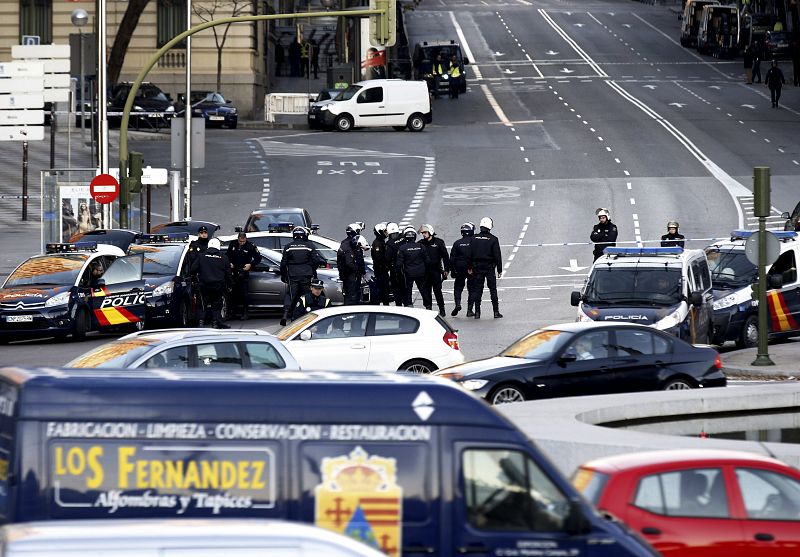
(642, 252)
(782, 235)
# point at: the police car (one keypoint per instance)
(166, 273)
(54, 294)
(666, 288)
(735, 311)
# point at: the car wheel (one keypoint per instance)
(418, 366)
(678, 385)
(506, 394)
(749, 335)
(344, 123)
(416, 123)
(398, 128)
(81, 325)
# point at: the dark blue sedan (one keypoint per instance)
(217, 111)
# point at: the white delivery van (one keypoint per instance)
(376, 102)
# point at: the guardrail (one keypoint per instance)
(286, 103)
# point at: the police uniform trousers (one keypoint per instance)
(434, 282)
(479, 276)
(295, 289)
(384, 288)
(422, 286)
(351, 288)
(398, 281)
(240, 292)
(458, 287)
(212, 296)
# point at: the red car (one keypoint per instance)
(692, 503)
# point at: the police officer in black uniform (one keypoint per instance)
(214, 272)
(380, 264)
(439, 264)
(396, 278)
(459, 264)
(313, 300)
(604, 233)
(673, 238)
(196, 247)
(485, 259)
(350, 262)
(243, 255)
(412, 258)
(298, 266)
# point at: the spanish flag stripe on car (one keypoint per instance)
(780, 316)
(114, 316)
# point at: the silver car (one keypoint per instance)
(190, 349)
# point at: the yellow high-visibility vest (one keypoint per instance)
(455, 71)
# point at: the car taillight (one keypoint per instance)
(718, 362)
(451, 340)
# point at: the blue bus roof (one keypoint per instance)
(245, 397)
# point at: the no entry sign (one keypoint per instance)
(104, 188)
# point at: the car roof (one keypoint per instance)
(676, 260)
(167, 335)
(668, 458)
(786, 244)
(102, 249)
(419, 313)
(271, 210)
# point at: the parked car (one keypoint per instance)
(260, 219)
(178, 536)
(589, 358)
(277, 237)
(190, 349)
(792, 219)
(215, 109)
(191, 227)
(700, 502)
(372, 338)
(157, 105)
(778, 45)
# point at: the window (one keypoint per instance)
(506, 490)
(170, 21)
(218, 355)
(388, 324)
(36, 18)
(785, 267)
(769, 495)
(172, 358)
(705, 274)
(698, 492)
(268, 242)
(590, 346)
(634, 343)
(124, 269)
(372, 95)
(348, 325)
(263, 356)
(661, 345)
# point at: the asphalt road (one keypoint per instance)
(571, 106)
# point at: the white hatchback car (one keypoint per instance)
(372, 338)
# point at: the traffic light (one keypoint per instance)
(761, 191)
(383, 27)
(135, 162)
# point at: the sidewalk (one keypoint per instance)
(785, 355)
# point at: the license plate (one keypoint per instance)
(216, 118)
(19, 318)
(311, 116)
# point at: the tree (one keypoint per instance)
(123, 38)
(216, 9)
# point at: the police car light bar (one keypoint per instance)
(782, 235)
(280, 227)
(70, 248)
(172, 237)
(640, 252)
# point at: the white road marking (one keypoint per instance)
(464, 46)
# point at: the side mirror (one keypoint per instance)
(465, 61)
(567, 357)
(273, 269)
(575, 298)
(785, 215)
(696, 298)
(775, 281)
(305, 335)
(576, 523)
(314, 227)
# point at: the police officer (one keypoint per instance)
(604, 233)
(459, 264)
(197, 247)
(393, 241)
(97, 274)
(214, 272)
(672, 238)
(412, 258)
(243, 255)
(298, 266)
(350, 261)
(313, 300)
(380, 264)
(485, 259)
(439, 264)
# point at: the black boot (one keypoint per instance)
(441, 311)
(283, 320)
(470, 313)
(428, 307)
(455, 311)
(497, 314)
(221, 325)
(477, 312)
(201, 323)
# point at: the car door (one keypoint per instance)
(784, 302)
(574, 374)
(393, 341)
(266, 288)
(771, 503)
(121, 299)
(642, 357)
(337, 343)
(370, 108)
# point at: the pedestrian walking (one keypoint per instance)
(604, 233)
(454, 73)
(243, 256)
(758, 55)
(438, 264)
(299, 266)
(459, 265)
(774, 80)
(350, 262)
(380, 265)
(748, 64)
(214, 272)
(673, 238)
(486, 264)
(396, 277)
(313, 300)
(412, 258)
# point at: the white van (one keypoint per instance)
(376, 102)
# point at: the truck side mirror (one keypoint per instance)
(696, 298)
(305, 335)
(785, 215)
(575, 298)
(465, 61)
(576, 523)
(775, 281)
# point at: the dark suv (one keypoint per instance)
(428, 50)
(156, 106)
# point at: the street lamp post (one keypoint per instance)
(79, 18)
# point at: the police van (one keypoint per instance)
(668, 288)
(411, 465)
(735, 310)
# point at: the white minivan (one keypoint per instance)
(376, 102)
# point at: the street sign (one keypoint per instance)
(31, 39)
(56, 61)
(24, 52)
(104, 188)
(21, 117)
(21, 69)
(773, 247)
(150, 175)
(26, 100)
(21, 133)
(22, 85)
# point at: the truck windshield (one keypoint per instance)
(730, 268)
(634, 285)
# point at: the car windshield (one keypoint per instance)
(160, 260)
(258, 222)
(294, 326)
(118, 354)
(349, 93)
(49, 270)
(590, 483)
(730, 268)
(538, 345)
(634, 285)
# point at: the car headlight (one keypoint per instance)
(474, 384)
(170, 109)
(582, 316)
(164, 289)
(233, 111)
(324, 107)
(58, 300)
(197, 111)
(726, 302)
(672, 320)
(137, 107)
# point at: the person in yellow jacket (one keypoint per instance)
(455, 77)
(440, 70)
